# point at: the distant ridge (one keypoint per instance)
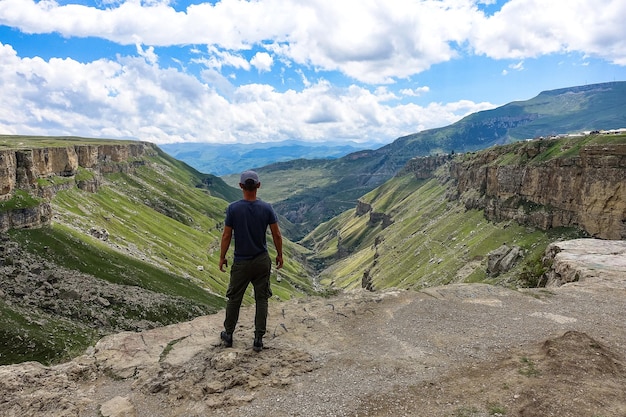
(223, 159)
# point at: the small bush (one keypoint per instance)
(528, 368)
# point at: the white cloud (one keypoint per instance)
(218, 58)
(262, 61)
(148, 54)
(531, 28)
(303, 77)
(415, 92)
(371, 41)
(374, 43)
(134, 97)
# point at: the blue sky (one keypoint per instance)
(271, 70)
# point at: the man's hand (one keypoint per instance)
(278, 244)
(223, 263)
(227, 235)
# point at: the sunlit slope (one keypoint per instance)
(432, 241)
(162, 215)
(143, 251)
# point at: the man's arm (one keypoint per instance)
(278, 244)
(227, 235)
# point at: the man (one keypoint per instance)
(247, 220)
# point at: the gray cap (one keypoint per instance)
(249, 175)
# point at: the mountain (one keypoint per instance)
(224, 159)
(310, 192)
(460, 218)
(99, 237)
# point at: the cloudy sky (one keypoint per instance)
(227, 71)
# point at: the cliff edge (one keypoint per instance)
(36, 173)
(544, 183)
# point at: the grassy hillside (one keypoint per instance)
(567, 110)
(432, 241)
(66, 285)
(157, 264)
(29, 142)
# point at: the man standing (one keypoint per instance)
(247, 220)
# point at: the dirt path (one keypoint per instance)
(460, 350)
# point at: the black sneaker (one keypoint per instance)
(258, 344)
(227, 338)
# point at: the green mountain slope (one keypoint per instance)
(432, 241)
(338, 183)
(140, 252)
(427, 226)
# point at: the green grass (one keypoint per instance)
(433, 241)
(496, 409)
(20, 200)
(31, 336)
(528, 368)
(84, 175)
(466, 412)
(566, 147)
(74, 251)
(29, 142)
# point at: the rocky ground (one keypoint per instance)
(45, 290)
(464, 350)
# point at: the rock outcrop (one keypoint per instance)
(31, 170)
(588, 261)
(424, 168)
(587, 191)
(584, 189)
(26, 217)
(503, 259)
(384, 219)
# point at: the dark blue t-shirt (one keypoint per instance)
(249, 220)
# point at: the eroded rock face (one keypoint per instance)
(23, 168)
(585, 191)
(87, 155)
(7, 169)
(424, 168)
(26, 218)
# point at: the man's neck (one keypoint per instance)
(249, 195)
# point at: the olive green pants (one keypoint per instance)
(255, 271)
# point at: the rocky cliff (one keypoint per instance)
(41, 172)
(542, 183)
